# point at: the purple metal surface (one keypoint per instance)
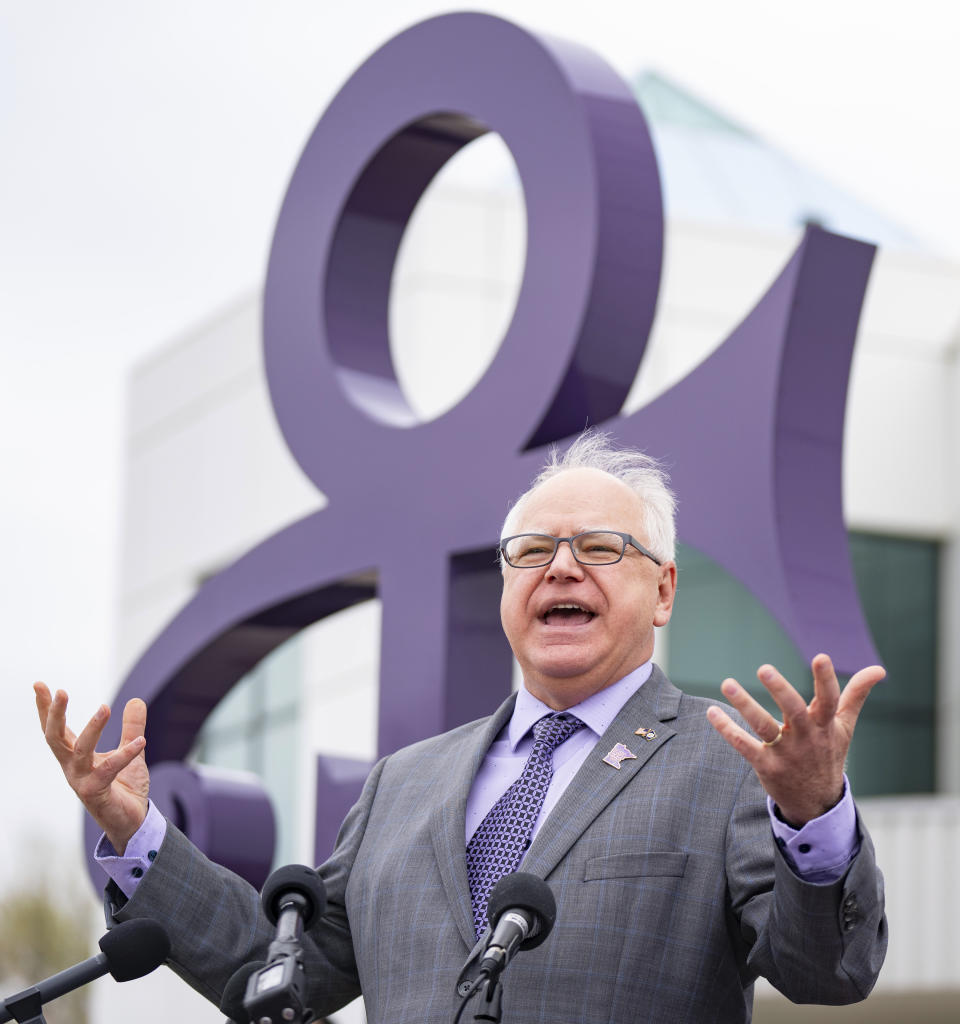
(594, 230)
(754, 434)
(339, 781)
(227, 814)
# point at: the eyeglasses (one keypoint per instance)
(595, 547)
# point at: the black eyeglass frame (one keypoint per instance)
(557, 541)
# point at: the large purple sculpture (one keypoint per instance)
(754, 434)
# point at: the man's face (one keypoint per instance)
(567, 655)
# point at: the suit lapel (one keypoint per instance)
(597, 783)
(448, 822)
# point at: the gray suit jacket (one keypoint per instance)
(671, 894)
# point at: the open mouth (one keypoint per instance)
(567, 615)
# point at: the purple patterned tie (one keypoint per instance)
(502, 838)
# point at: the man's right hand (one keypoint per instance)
(112, 786)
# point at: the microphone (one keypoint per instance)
(231, 1002)
(521, 912)
(131, 950)
(291, 892)
(293, 898)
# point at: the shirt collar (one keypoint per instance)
(596, 712)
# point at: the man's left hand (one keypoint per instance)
(799, 763)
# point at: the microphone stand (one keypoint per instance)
(276, 991)
(150, 947)
(26, 1007)
(491, 998)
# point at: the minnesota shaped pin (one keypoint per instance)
(617, 754)
(647, 734)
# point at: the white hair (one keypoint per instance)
(642, 473)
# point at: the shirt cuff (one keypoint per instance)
(821, 851)
(141, 851)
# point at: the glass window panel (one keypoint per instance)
(226, 751)
(235, 709)
(897, 579)
(719, 629)
(279, 773)
(895, 747)
(282, 670)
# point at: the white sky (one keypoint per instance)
(144, 151)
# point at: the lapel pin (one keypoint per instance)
(617, 754)
(647, 734)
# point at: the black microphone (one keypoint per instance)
(231, 1002)
(521, 912)
(293, 898)
(293, 892)
(130, 950)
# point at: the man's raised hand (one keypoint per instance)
(113, 785)
(799, 763)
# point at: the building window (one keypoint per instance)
(255, 728)
(894, 750)
(719, 629)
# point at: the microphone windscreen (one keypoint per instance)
(135, 948)
(523, 891)
(231, 1002)
(299, 879)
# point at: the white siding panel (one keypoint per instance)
(917, 840)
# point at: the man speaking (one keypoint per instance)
(687, 855)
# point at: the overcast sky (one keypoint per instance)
(144, 151)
